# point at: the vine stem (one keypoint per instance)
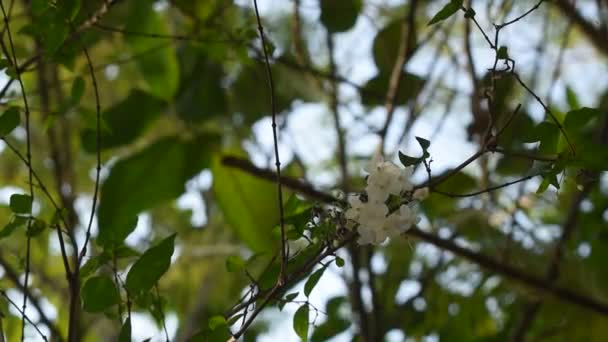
(29, 162)
(276, 144)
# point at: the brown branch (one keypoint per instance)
(513, 273)
(294, 184)
(406, 50)
(597, 36)
(489, 263)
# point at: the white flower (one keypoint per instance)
(421, 194)
(385, 179)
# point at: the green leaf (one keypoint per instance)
(141, 182)
(21, 204)
(77, 90)
(9, 120)
(374, 91)
(576, 119)
(549, 135)
(572, 98)
(502, 53)
(159, 67)
(447, 11)
(217, 321)
(125, 331)
(99, 293)
(201, 95)
(234, 263)
(313, 280)
(407, 160)
(148, 269)
(16, 222)
(339, 16)
(300, 322)
(288, 298)
(36, 227)
(249, 204)
(424, 144)
(124, 121)
(385, 49)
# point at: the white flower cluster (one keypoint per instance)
(375, 224)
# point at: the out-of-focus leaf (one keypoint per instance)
(217, 321)
(16, 222)
(300, 322)
(158, 67)
(99, 293)
(578, 118)
(77, 90)
(125, 121)
(234, 263)
(339, 16)
(201, 95)
(335, 323)
(9, 120)
(125, 331)
(148, 269)
(21, 204)
(249, 204)
(290, 84)
(312, 281)
(572, 98)
(447, 11)
(373, 92)
(385, 48)
(140, 182)
(36, 227)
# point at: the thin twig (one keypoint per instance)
(22, 314)
(276, 144)
(29, 162)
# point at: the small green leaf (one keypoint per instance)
(16, 222)
(36, 227)
(447, 11)
(99, 293)
(234, 263)
(217, 321)
(288, 298)
(125, 331)
(300, 322)
(339, 262)
(148, 269)
(502, 53)
(313, 280)
(77, 90)
(407, 160)
(423, 143)
(21, 204)
(9, 120)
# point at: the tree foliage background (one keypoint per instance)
(139, 187)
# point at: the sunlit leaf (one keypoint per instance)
(140, 182)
